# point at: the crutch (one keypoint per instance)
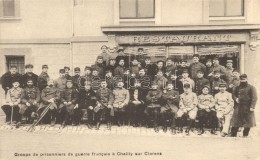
(40, 118)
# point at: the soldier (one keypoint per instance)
(105, 54)
(185, 79)
(140, 57)
(76, 78)
(217, 67)
(111, 65)
(29, 101)
(245, 97)
(86, 77)
(13, 102)
(87, 102)
(110, 79)
(67, 73)
(160, 67)
(187, 107)
(234, 82)
(170, 68)
(206, 112)
(134, 68)
(121, 100)
(153, 99)
(170, 99)
(95, 80)
(120, 69)
(200, 82)
(215, 82)
(60, 83)
(224, 108)
(43, 78)
(160, 80)
(209, 68)
(50, 97)
(69, 99)
(196, 66)
(29, 75)
(105, 100)
(8, 77)
(149, 68)
(99, 66)
(182, 67)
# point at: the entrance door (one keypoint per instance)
(15, 61)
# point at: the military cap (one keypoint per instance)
(69, 80)
(185, 71)
(243, 76)
(200, 71)
(209, 60)
(196, 55)
(222, 85)
(45, 66)
(62, 71)
(66, 67)
(206, 86)
(216, 71)
(186, 85)
(88, 68)
(140, 49)
(103, 46)
(160, 61)
(13, 67)
(147, 57)
(229, 61)
(99, 57)
(28, 66)
(29, 79)
(120, 49)
(76, 69)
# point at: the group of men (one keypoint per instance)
(125, 89)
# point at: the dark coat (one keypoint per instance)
(87, 99)
(7, 80)
(27, 76)
(43, 80)
(199, 84)
(69, 95)
(75, 80)
(247, 96)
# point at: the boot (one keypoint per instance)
(213, 132)
(156, 129)
(165, 129)
(89, 126)
(63, 124)
(98, 125)
(201, 131)
(173, 131)
(109, 125)
(52, 123)
(187, 132)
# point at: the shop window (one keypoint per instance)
(9, 8)
(15, 61)
(226, 8)
(136, 9)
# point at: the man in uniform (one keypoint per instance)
(120, 69)
(111, 65)
(8, 77)
(99, 66)
(13, 102)
(67, 72)
(153, 99)
(29, 101)
(185, 79)
(105, 54)
(69, 99)
(43, 78)
(245, 97)
(29, 75)
(170, 99)
(234, 82)
(50, 97)
(224, 107)
(86, 77)
(170, 68)
(229, 71)
(60, 83)
(200, 82)
(140, 57)
(121, 100)
(105, 99)
(76, 78)
(196, 66)
(187, 107)
(216, 80)
(217, 67)
(209, 68)
(182, 67)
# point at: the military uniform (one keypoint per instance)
(13, 96)
(195, 67)
(183, 81)
(42, 80)
(215, 85)
(119, 71)
(170, 106)
(100, 68)
(224, 108)
(170, 69)
(30, 95)
(28, 76)
(60, 83)
(161, 82)
(47, 94)
(199, 84)
(75, 80)
(67, 110)
(7, 79)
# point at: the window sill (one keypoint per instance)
(226, 18)
(10, 19)
(138, 20)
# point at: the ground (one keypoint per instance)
(123, 142)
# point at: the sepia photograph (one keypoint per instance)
(129, 79)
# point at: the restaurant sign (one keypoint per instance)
(190, 38)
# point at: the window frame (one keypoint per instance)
(225, 12)
(137, 18)
(16, 11)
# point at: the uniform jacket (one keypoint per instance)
(105, 96)
(75, 80)
(229, 75)
(121, 95)
(215, 83)
(14, 95)
(68, 77)
(30, 95)
(87, 98)
(224, 102)
(206, 101)
(119, 71)
(170, 99)
(150, 70)
(100, 68)
(69, 95)
(188, 101)
(184, 81)
(27, 76)
(195, 67)
(7, 79)
(49, 93)
(60, 83)
(199, 84)
(153, 98)
(219, 68)
(42, 80)
(180, 69)
(247, 96)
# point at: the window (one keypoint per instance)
(9, 8)
(15, 61)
(226, 8)
(137, 9)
